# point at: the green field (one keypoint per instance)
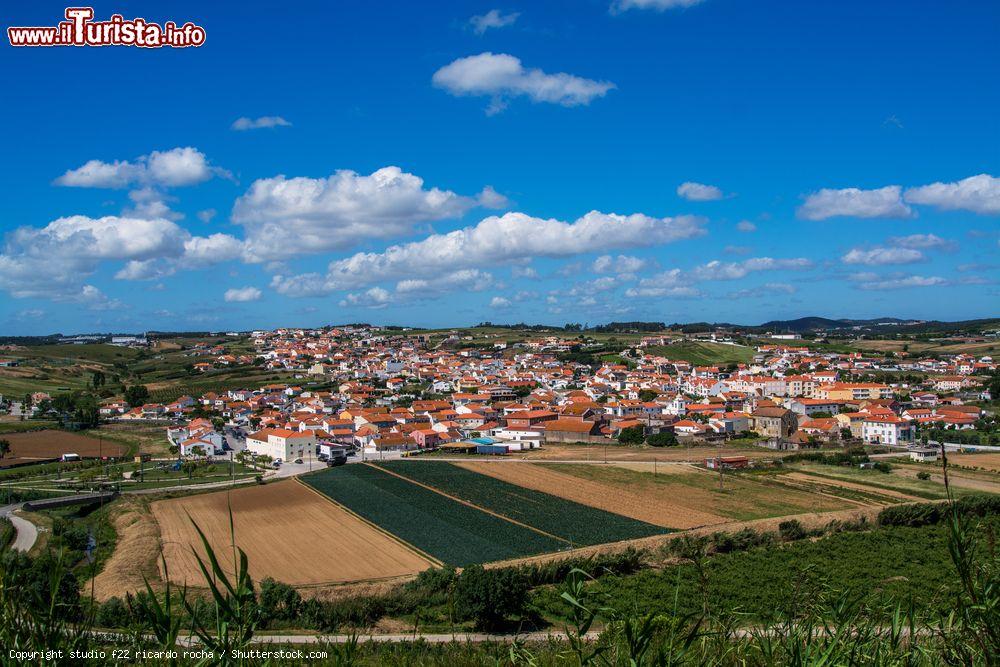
(890, 565)
(576, 523)
(703, 353)
(453, 533)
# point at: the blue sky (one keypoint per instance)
(446, 163)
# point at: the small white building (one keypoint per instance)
(890, 431)
(924, 455)
(281, 443)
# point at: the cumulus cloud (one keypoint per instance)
(502, 76)
(472, 280)
(746, 226)
(492, 19)
(244, 123)
(376, 297)
(979, 194)
(53, 261)
(173, 168)
(508, 239)
(884, 202)
(242, 294)
(922, 242)
(877, 284)
(676, 283)
(698, 191)
(619, 264)
(767, 289)
(717, 270)
(880, 256)
(490, 198)
(287, 217)
(656, 5)
(499, 302)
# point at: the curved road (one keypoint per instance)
(27, 533)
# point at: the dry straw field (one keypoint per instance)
(288, 532)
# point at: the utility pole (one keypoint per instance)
(718, 463)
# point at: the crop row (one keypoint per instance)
(447, 530)
(579, 524)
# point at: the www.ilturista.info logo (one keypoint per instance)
(79, 29)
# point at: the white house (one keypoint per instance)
(877, 430)
(281, 443)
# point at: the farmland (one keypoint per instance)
(682, 489)
(47, 445)
(703, 353)
(288, 531)
(447, 530)
(579, 524)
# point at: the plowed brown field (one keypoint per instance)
(50, 444)
(288, 532)
(656, 509)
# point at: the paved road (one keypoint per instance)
(27, 533)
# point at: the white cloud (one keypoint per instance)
(206, 215)
(502, 76)
(492, 19)
(286, 217)
(244, 123)
(882, 256)
(884, 202)
(472, 280)
(173, 168)
(716, 270)
(53, 261)
(656, 5)
(212, 249)
(499, 302)
(524, 272)
(979, 194)
(242, 294)
(679, 284)
(698, 191)
(746, 226)
(374, 298)
(901, 283)
(490, 198)
(508, 239)
(922, 241)
(765, 290)
(619, 264)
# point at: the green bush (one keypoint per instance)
(791, 530)
(663, 439)
(489, 597)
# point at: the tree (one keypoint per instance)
(136, 395)
(633, 435)
(173, 450)
(198, 451)
(98, 379)
(189, 468)
(647, 395)
(488, 597)
(279, 601)
(4, 448)
(662, 439)
(923, 475)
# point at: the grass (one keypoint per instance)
(703, 353)
(878, 480)
(27, 425)
(745, 497)
(576, 523)
(447, 530)
(891, 564)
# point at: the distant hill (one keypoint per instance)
(881, 325)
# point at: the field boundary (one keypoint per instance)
(431, 559)
(472, 505)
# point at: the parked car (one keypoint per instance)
(276, 464)
(298, 461)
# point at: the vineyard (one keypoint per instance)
(576, 523)
(445, 529)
